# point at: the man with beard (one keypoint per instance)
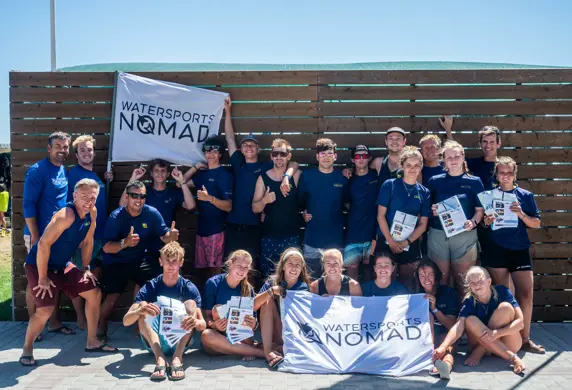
(214, 193)
(167, 200)
(48, 267)
(243, 225)
(323, 193)
(281, 225)
(84, 151)
(46, 192)
(484, 166)
(128, 233)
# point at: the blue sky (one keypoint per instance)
(294, 31)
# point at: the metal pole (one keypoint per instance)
(53, 34)
(110, 150)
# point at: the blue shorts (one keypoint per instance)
(354, 254)
(165, 347)
(95, 255)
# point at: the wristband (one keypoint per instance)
(434, 311)
(86, 268)
(474, 222)
(286, 175)
(122, 243)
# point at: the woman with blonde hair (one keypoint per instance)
(333, 282)
(291, 274)
(492, 319)
(218, 291)
(456, 254)
(508, 252)
(399, 200)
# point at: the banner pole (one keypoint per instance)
(110, 151)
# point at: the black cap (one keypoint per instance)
(249, 137)
(396, 130)
(360, 148)
(215, 140)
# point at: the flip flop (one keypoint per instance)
(275, 363)
(444, 370)
(101, 349)
(159, 378)
(532, 347)
(173, 369)
(64, 329)
(30, 359)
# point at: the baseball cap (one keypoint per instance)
(359, 148)
(249, 137)
(395, 130)
(215, 141)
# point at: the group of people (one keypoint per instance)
(250, 218)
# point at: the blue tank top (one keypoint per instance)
(66, 244)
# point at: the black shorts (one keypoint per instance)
(405, 257)
(511, 259)
(246, 237)
(116, 276)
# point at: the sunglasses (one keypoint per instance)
(133, 195)
(361, 156)
(208, 148)
(281, 154)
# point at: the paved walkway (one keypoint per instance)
(64, 365)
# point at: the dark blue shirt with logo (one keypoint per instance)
(78, 173)
(362, 216)
(245, 176)
(472, 307)
(396, 195)
(465, 187)
(149, 224)
(167, 202)
(218, 292)
(485, 170)
(45, 192)
(218, 183)
(66, 244)
(183, 291)
(323, 195)
(370, 289)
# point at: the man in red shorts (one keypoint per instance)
(49, 270)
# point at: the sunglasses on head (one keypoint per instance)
(134, 195)
(361, 156)
(208, 148)
(277, 153)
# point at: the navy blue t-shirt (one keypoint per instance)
(45, 192)
(77, 173)
(485, 170)
(465, 187)
(363, 213)
(245, 176)
(218, 183)
(166, 202)
(148, 225)
(370, 289)
(65, 246)
(218, 292)
(393, 195)
(472, 307)
(323, 195)
(298, 286)
(428, 172)
(517, 238)
(183, 291)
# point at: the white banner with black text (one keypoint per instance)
(373, 335)
(158, 119)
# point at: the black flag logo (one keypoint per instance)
(309, 334)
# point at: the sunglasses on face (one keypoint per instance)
(281, 154)
(133, 195)
(208, 148)
(361, 156)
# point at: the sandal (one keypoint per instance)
(530, 346)
(64, 329)
(31, 361)
(518, 366)
(275, 363)
(159, 378)
(176, 369)
(443, 369)
(103, 348)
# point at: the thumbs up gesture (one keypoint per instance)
(173, 233)
(269, 197)
(132, 238)
(204, 196)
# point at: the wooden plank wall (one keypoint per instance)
(533, 108)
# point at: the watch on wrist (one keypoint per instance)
(86, 268)
(474, 222)
(286, 175)
(434, 311)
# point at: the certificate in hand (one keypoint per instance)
(173, 312)
(502, 202)
(452, 217)
(403, 225)
(236, 328)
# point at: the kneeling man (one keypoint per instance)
(49, 270)
(169, 285)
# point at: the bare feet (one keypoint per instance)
(475, 358)
(82, 324)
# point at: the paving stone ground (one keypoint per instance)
(64, 365)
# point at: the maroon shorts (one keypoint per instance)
(68, 280)
(209, 251)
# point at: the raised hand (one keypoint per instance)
(138, 173)
(177, 175)
(446, 122)
(269, 197)
(227, 104)
(203, 195)
(132, 238)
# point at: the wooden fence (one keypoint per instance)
(533, 108)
